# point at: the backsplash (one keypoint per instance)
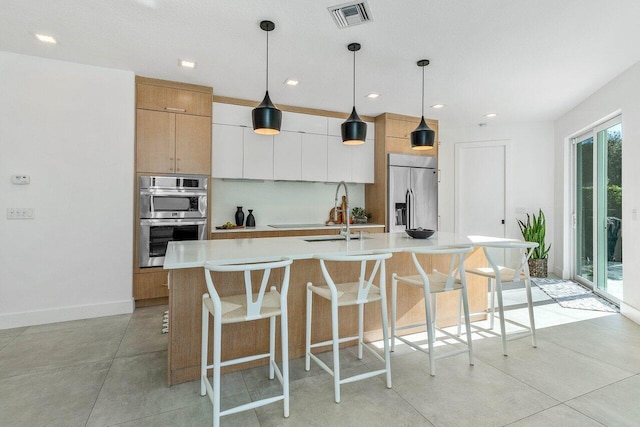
(278, 202)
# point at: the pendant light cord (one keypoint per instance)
(267, 60)
(354, 78)
(422, 91)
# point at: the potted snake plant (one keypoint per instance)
(534, 230)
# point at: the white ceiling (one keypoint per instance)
(525, 60)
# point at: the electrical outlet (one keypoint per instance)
(20, 179)
(20, 213)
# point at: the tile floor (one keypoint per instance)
(111, 371)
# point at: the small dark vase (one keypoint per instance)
(251, 221)
(239, 216)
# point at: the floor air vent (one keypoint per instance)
(350, 14)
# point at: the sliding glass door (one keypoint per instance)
(598, 209)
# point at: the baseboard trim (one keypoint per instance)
(630, 312)
(63, 314)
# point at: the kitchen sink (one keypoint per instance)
(333, 238)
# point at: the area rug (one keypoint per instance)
(165, 322)
(570, 294)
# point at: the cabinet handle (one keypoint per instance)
(181, 110)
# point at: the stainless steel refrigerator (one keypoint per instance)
(412, 192)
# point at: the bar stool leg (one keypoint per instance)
(336, 349)
(217, 342)
(492, 291)
(272, 345)
(430, 332)
(205, 348)
(460, 314)
(360, 329)
(394, 298)
(307, 347)
(385, 328)
(284, 339)
(532, 321)
(503, 332)
(467, 323)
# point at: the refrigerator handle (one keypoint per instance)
(413, 207)
(407, 200)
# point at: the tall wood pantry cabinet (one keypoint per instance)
(173, 136)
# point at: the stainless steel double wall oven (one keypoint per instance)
(171, 208)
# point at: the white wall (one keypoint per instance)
(531, 168)
(71, 128)
(621, 94)
(279, 202)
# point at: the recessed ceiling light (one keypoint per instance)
(490, 115)
(46, 39)
(187, 64)
(437, 106)
(373, 95)
(291, 82)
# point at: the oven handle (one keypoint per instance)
(173, 193)
(163, 222)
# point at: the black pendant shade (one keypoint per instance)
(423, 137)
(354, 130)
(267, 119)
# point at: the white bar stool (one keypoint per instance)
(244, 308)
(497, 276)
(433, 284)
(347, 294)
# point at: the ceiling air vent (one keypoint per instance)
(350, 14)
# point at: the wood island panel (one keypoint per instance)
(188, 285)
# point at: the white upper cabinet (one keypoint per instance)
(258, 155)
(287, 155)
(339, 160)
(227, 151)
(350, 163)
(307, 123)
(362, 162)
(308, 148)
(229, 114)
(314, 157)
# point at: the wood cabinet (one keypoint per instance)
(173, 127)
(160, 98)
(172, 143)
(392, 135)
(292, 233)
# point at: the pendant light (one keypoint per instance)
(423, 137)
(354, 130)
(267, 119)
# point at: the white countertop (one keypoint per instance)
(194, 253)
(293, 227)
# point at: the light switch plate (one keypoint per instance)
(20, 213)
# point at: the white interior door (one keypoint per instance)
(480, 190)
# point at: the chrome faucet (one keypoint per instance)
(345, 211)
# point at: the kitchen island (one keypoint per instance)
(184, 260)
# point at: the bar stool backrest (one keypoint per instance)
(456, 266)
(525, 249)
(253, 307)
(364, 284)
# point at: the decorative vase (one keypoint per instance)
(239, 216)
(538, 267)
(251, 221)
